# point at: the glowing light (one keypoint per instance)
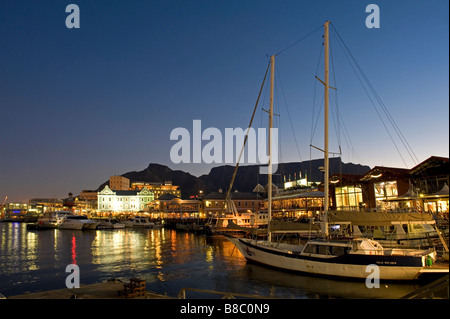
(74, 250)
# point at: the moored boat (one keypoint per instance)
(353, 257)
(109, 223)
(49, 220)
(76, 222)
(139, 221)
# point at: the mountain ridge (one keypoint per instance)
(247, 176)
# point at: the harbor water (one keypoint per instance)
(168, 260)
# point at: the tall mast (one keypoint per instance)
(326, 162)
(269, 194)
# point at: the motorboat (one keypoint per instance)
(109, 223)
(76, 222)
(50, 220)
(139, 221)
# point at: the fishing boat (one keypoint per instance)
(353, 257)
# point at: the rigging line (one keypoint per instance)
(318, 117)
(299, 40)
(381, 118)
(346, 135)
(289, 114)
(245, 140)
(340, 120)
(337, 128)
(371, 101)
(383, 106)
(314, 96)
(335, 118)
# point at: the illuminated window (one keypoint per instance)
(348, 197)
(385, 190)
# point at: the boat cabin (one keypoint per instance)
(322, 248)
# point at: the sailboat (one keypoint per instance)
(354, 258)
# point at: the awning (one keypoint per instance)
(441, 194)
(279, 226)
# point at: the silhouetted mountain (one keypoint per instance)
(248, 176)
(246, 179)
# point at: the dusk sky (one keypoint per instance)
(79, 105)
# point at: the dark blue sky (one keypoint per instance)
(79, 105)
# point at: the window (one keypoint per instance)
(385, 190)
(324, 250)
(348, 197)
(311, 249)
(338, 251)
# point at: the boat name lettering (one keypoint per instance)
(386, 263)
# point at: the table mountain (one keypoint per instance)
(246, 179)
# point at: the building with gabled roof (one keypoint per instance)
(123, 201)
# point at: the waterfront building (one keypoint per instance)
(119, 183)
(171, 206)
(158, 189)
(383, 186)
(422, 188)
(347, 192)
(86, 202)
(44, 205)
(244, 202)
(88, 195)
(15, 211)
(431, 179)
(297, 203)
(123, 201)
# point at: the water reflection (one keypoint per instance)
(166, 259)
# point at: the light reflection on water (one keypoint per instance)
(166, 259)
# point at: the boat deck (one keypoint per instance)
(437, 267)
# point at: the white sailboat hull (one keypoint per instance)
(358, 266)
